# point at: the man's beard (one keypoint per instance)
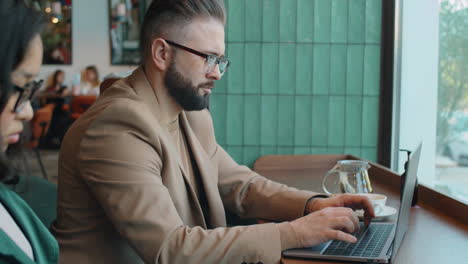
(186, 94)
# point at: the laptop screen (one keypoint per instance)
(408, 190)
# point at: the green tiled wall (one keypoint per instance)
(304, 78)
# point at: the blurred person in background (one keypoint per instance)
(58, 94)
(57, 86)
(23, 237)
(89, 82)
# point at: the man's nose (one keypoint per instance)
(26, 112)
(215, 73)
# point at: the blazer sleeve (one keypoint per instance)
(123, 171)
(251, 195)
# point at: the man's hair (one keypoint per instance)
(163, 15)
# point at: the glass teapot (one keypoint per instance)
(348, 176)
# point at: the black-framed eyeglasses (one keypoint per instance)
(26, 93)
(211, 59)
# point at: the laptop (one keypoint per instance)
(376, 243)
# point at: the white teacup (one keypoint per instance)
(378, 201)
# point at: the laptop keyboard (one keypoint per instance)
(370, 243)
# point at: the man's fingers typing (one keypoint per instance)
(340, 235)
(348, 213)
(327, 224)
(344, 223)
(355, 220)
(360, 202)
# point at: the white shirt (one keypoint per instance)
(9, 226)
(87, 89)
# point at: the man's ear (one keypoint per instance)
(160, 54)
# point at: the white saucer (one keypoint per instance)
(386, 212)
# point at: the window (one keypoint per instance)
(452, 114)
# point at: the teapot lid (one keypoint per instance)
(353, 165)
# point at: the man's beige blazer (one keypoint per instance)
(123, 196)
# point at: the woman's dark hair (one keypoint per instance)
(19, 24)
(54, 79)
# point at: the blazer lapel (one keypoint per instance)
(143, 89)
(189, 184)
(216, 216)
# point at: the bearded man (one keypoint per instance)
(142, 178)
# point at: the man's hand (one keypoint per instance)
(352, 201)
(327, 224)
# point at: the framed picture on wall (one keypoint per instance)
(57, 33)
(125, 19)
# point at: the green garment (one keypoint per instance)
(44, 245)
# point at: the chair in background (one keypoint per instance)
(39, 126)
(80, 104)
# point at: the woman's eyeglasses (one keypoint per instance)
(26, 93)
